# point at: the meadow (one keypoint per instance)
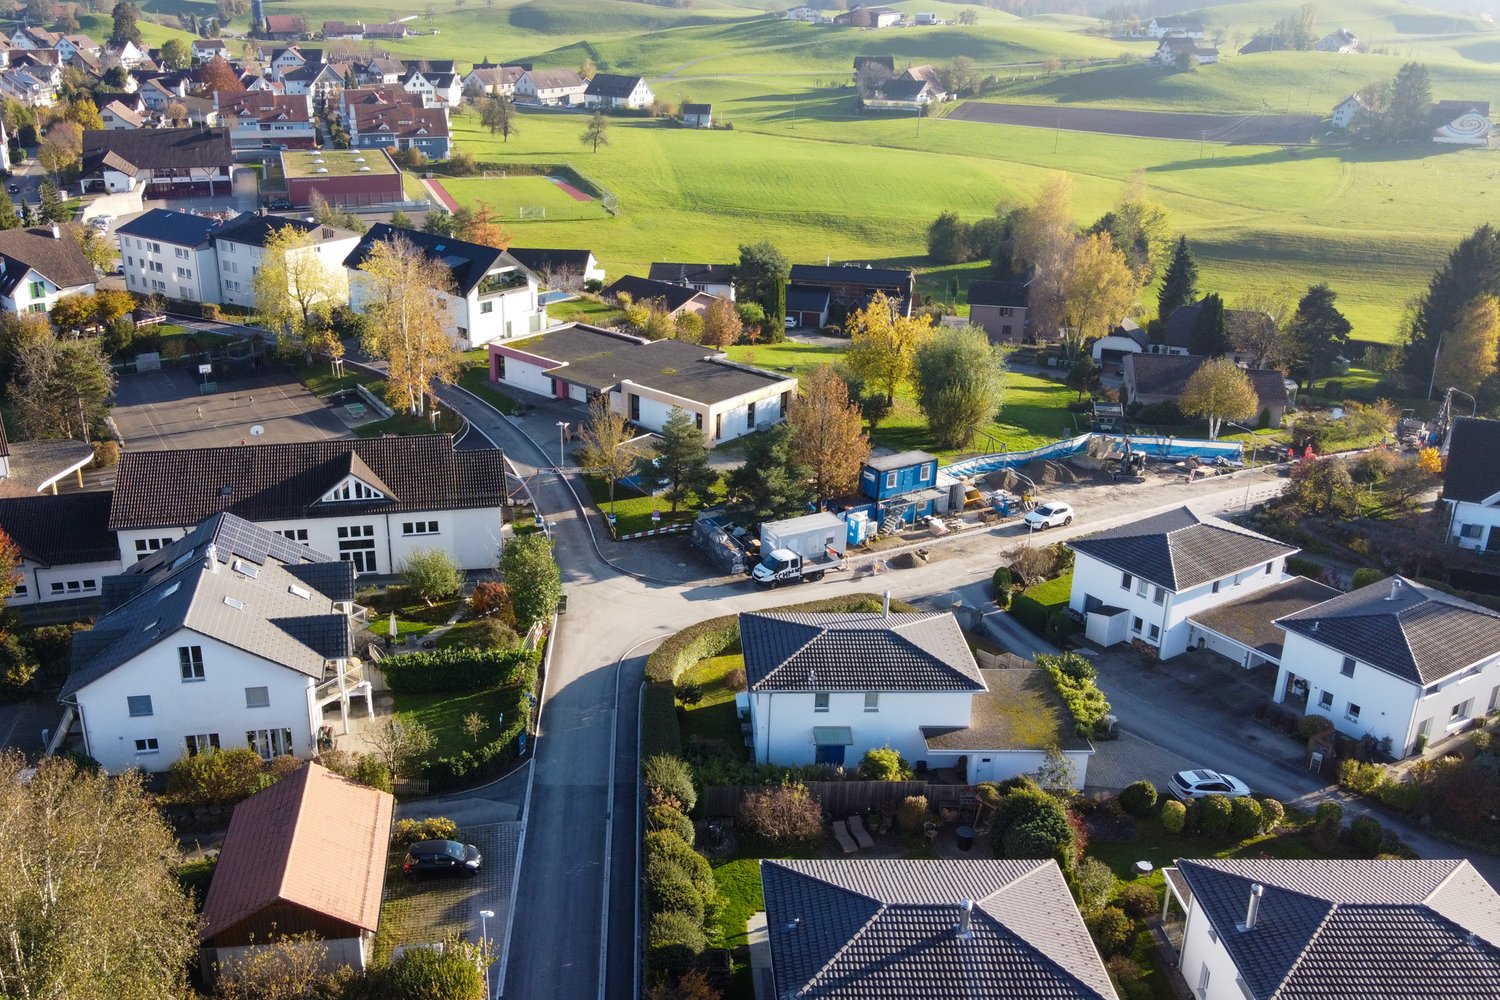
(507, 196)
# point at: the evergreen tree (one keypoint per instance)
(52, 208)
(125, 27)
(1210, 335)
(1472, 270)
(1409, 115)
(8, 217)
(1319, 330)
(28, 218)
(771, 481)
(682, 459)
(1180, 285)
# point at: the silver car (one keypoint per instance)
(1201, 783)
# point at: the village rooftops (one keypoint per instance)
(130, 150)
(923, 651)
(612, 85)
(998, 293)
(852, 274)
(688, 274)
(1242, 325)
(642, 290)
(55, 256)
(1169, 374)
(254, 229)
(336, 162)
(1179, 550)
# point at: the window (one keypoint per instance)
(925, 473)
(890, 480)
(499, 367)
(872, 701)
(1471, 531)
(1216, 587)
(1268, 569)
(1007, 311)
(148, 745)
(1348, 668)
(201, 743)
(146, 546)
(1460, 711)
(1125, 580)
(1494, 697)
(294, 534)
(486, 308)
(1352, 712)
(1141, 587)
(353, 489)
(820, 701)
(750, 415)
(269, 742)
(140, 705)
(419, 527)
(180, 252)
(1136, 625)
(1158, 596)
(257, 697)
(39, 289)
(1325, 699)
(64, 588)
(190, 660)
(1155, 632)
(357, 545)
(184, 272)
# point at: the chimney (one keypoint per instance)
(56, 231)
(885, 610)
(1395, 589)
(211, 558)
(1252, 910)
(965, 927)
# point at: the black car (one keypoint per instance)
(13, 188)
(441, 857)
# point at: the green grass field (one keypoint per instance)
(508, 195)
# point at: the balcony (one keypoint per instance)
(501, 282)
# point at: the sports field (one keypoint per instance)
(540, 198)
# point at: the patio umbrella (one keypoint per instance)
(393, 628)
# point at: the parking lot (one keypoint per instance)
(426, 911)
(166, 409)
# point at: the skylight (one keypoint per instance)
(301, 592)
(234, 603)
(245, 569)
(176, 584)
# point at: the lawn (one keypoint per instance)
(443, 713)
(405, 423)
(633, 510)
(713, 716)
(506, 196)
(739, 880)
(320, 380)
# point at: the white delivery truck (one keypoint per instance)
(802, 548)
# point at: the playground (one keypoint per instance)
(524, 198)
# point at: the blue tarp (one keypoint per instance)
(1156, 447)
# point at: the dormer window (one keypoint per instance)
(353, 489)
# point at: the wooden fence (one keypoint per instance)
(844, 798)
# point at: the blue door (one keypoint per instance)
(832, 753)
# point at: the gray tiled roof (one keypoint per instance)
(1179, 550)
(1169, 374)
(1413, 631)
(61, 530)
(1471, 474)
(641, 290)
(1329, 930)
(923, 651)
(888, 928)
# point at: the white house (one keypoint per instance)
(1471, 484)
(1342, 40)
(205, 49)
(492, 297)
(117, 115)
(1143, 580)
(811, 15)
(370, 502)
(550, 87)
(240, 244)
(1161, 27)
(232, 636)
(827, 688)
(171, 254)
(1127, 338)
(1394, 660)
(615, 91)
(1260, 929)
(1349, 111)
(698, 115)
(499, 81)
(67, 550)
(436, 81)
(40, 266)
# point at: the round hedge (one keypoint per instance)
(1173, 816)
(1214, 815)
(670, 777)
(1138, 798)
(1245, 819)
(664, 817)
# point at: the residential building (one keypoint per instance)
(379, 71)
(675, 299)
(645, 380)
(78, 49)
(292, 57)
(28, 88)
(118, 115)
(159, 163)
(999, 307)
(1247, 328)
(66, 547)
(240, 244)
(1471, 484)
(1161, 27)
(231, 636)
(852, 285)
(492, 297)
(1244, 630)
(285, 27)
(550, 88)
(159, 91)
(342, 177)
(559, 269)
(1145, 579)
(127, 53)
(171, 254)
(852, 929)
(698, 115)
(371, 502)
(1342, 40)
(388, 117)
(320, 81)
(1264, 929)
(869, 17)
(272, 878)
(1127, 338)
(898, 94)
(499, 81)
(40, 266)
(1179, 51)
(28, 37)
(392, 30)
(1394, 660)
(617, 92)
(260, 121)
(810, 14)
(807, 308)
(714, 279)
(1162, 378)
(436, 80)
(205, 49)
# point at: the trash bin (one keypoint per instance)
(965, 836)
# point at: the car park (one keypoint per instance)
(1049, 515)
(441, 857)
(1201, 783)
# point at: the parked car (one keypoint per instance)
(1049, 515)
(13, 188)
(441, 857)
(1199, 783)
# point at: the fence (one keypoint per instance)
(845, 798)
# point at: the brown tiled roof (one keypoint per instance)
(313, 840)
(59, 259)
(159, 148)
(263, 106)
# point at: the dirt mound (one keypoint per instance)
(1043, 473)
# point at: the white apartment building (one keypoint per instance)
(171, 254)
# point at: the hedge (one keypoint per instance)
(1073, 678)
(718, 636)
(438, 670)
(660, 732)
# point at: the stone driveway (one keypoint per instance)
(426, 911)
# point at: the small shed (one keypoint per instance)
(698, 115)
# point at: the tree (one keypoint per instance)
(113, 303)
(1218, 391)
(1468, 355)
(596, 132)
(295, 291)
(1042, 241)
(1141, 230)
(85, 114)
(535, 581)
(408, 320)
(755, 277)
(883, 344)
(176, 112)
(682, 459)
(1209, 337)
(432, 574)
(176, 55)
(484, 227)
(1084, 375)
(10, 566)
(959, 77)
(586, 67)
(1409, 115)
(1180, 284)
(88, 903)
(62, 148)
(400, 743)
(771, 481)
(960, 380)
(1324, 487)
(1472, 269)
(499, 116)
(281, 968)
(606, 444)
(884, 763)
(721, 324)
(60, 388)
(1099, 289)
(125, 27)
(41, 11)
(1319, 331)
(72, 313)
(948, 239)
(217, 75)
(828, 436)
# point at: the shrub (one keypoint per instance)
(884, 764)
(535, 581)
(1326, 827)
(669, 778)
(1073, 676)
(786, 817)
(498, 634)
(217, 777)
(736, 680)
(1481, 741)
(1365, 576)
(1403, 795)
(1139, 900)
(1122, 970)
(1094, 882)
(1138, 798)
(440, 670)
(1215, 815)
(1366, 832)
(671, 890)
(1358, 777)
(106, 453)
(1272, 812)
(432, 574)
(912, 813)
(660, 732)
(410, 831)
(1029, 823)
(492, 598)
(664, 849)
(1000, 585)
(1112, 930)
(1311, 725)
(674, 940)
(454, 973)
(1245, 818)
(1173, 816)
(661, 816)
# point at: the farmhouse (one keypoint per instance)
(1162, 378)
(352, 30)
(852, 285)
(559, 269)
(899, 94)
(715, 279)
(342, 177)
(159, 163)
(614, 92)
(869, 17)
(645, 380)
(40, 266)
(1349, 111)
(1179, 51)
(1161, 27)
(499, 81)
(675, 299)
(809, 14)
(172, 254)
(285, 27)
(1342, 40)
(66, 547)
(551, 88)
(698, 115)
(240, 246)
(1470, 126)
(1471, 484)
(999, 307)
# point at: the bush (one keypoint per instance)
(1139, 900)
(461, 670)
(432, 574)
(912, 813)
(1000, 585)
(661, 816)
(884, 764)
(1481, 741)
(1173, 816)
(1366, 833)
(1029, 823)
(217, 777)
(671, 890)
(1365, 576)
(410, 831)
(1403, 795)
(1245, 818)
(660, 732)
(535, 581)
(1138, 798)
(1311, 725)
(1122, 970)
(674, 940)
(668, 780)
(1073, 676)
(736, 680)
(492, 598)
(106, 453)
(1215, 813)
(1095, 883)
(1112, 929)
(786, 818)
(1329, 821)
(430, 974)
(1360, 778)
(1272, 812)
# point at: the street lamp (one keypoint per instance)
(1254, 450)
(484, 917)
(562, 430)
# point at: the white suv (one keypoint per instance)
(1049, 515)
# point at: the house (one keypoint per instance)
(492, 297)
(806, 307)
(318, 80)
(436, 80)
(852, 285)
(1161, 27)
(675, 299)
(645, 380)
(379, 70)
(559, 269)
(231, 636)
(1471, 484)
(903, 486)
(898, 94)
(285, 27)
(1127, 338)
(1470, 127)
(1342, 40)
(66, 547)
(616, 92)
(292, 57)
(171, 254)
(1349, 111)
(159, 163)
(1245, 630)
(883, 67)
(809, 14)
(28, 88)
(869, 17)
(826, 688)
(999, 307)
(931, 74)
(1162, 378)
(499, 81)
(1246, 328)
(393, 30)
(156, 93)
(260, 121)
(126, 53)
(1260, 929)
(240, 244)
(370, 502)
(1180, 50)
(939, 930)
(205, 49)
(397, 121)
(34, 37)
(1394, 660)
(118, 115)
(352, 30)
(715, 279)
(1145, 579)
(551, 88)
(342, 177)
(698, 115)
(40, 266)
(272, 878)
(75, 48)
